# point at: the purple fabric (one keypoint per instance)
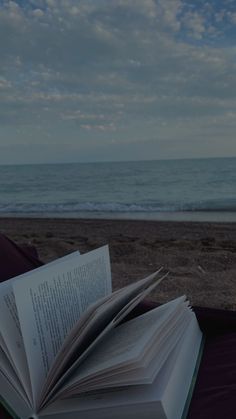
(15, 260)
(215, 391)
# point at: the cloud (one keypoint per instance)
(131, 68)
(4, 84)
(195, 23)
(38, 13)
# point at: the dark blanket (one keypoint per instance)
(214, 395)
(15, 260)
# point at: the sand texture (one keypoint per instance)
(200, 257)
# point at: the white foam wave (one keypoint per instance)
(114, 207)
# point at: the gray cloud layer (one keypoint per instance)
(114, 79)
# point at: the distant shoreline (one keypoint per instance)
(184, 216)
(200, 256)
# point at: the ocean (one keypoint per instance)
(198, 190)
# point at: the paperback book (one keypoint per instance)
(66, 351)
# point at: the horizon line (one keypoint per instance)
(116, 161)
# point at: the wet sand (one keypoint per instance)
(200, 256)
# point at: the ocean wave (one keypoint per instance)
(115, 207)
(77, 207)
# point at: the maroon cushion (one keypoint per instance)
(15, 260)
(215, 390)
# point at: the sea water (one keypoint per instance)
(198, 189)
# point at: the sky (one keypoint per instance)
(105, 80)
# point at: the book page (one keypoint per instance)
(105, 318)
(11, 336)
(169, 389)
(101, 316)
(137, 371)
(50, 302)
(126, 346)
(8, 371)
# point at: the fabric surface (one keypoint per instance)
(214, 395)
(15, 260)
(215, 392)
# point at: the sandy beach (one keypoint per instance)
(200, 257)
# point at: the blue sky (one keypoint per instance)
(98, 80)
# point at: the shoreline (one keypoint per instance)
(169, 216)
(200, 256)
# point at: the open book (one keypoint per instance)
(65, 352)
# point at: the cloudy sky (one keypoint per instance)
(92, 80)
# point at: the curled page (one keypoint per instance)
(51, 301)
(11, 339)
